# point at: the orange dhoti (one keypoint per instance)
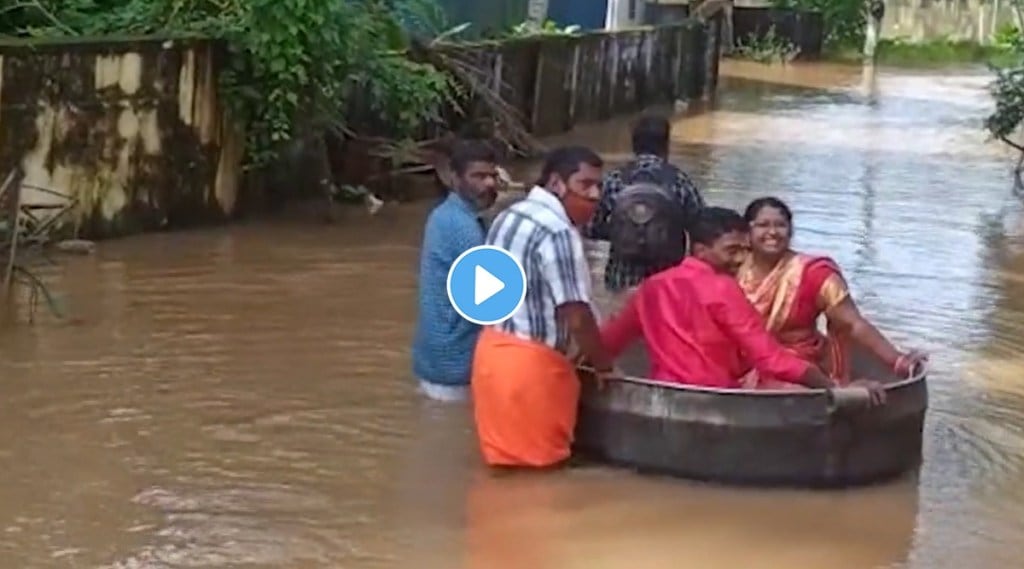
(524, 401)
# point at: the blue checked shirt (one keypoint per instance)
(442, 350)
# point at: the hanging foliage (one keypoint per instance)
(293, 65)
(844, 20)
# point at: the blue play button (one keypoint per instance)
(486, 285)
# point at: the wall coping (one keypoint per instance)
(541, 38)
(99, 43)
(10, 45)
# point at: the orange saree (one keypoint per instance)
(790, 298)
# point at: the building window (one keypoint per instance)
(632, 10)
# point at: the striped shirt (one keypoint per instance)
(538, 233)
(442, 349)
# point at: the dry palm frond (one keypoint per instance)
(480, 81)
(23, 238)
(37, 289)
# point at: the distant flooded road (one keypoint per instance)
(241, 397)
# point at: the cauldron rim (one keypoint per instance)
(920, 374)
(702, 433)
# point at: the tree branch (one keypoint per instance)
(1016, 146)
(38, 6)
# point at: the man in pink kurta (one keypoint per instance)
(697, 325)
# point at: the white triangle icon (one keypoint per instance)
(485, 285)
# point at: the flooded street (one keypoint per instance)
(241, 397)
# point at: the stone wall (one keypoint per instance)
(131, 129)
(556, 82)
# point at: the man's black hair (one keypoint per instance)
(466, 151)
(713, 222)
(651, 135)
(565, 161)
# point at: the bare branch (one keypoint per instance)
(38, 6)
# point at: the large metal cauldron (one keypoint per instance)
(805, 438)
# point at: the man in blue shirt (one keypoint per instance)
(442, 351)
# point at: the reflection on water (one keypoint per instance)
(594, 519)
(241, 397)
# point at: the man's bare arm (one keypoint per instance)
(579, 320)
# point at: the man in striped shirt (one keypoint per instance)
(524, 386)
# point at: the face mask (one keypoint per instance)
(579, 209)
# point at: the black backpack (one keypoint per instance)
(648, 222)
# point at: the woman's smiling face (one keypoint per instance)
(770, 231)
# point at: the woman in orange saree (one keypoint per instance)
(791, 290)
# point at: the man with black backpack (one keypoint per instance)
(645, 207)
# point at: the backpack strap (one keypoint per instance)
(664, 177)
(667, 175)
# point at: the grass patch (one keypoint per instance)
(766, 49)
(930, 53)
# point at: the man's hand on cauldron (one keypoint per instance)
(908, 362)
(604, 376)
(876, 390)
(600, 376)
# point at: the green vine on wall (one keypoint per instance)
(294, 65)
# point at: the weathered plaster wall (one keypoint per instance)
(556, 82)
(132, 129)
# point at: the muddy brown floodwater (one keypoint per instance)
(241, 397)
